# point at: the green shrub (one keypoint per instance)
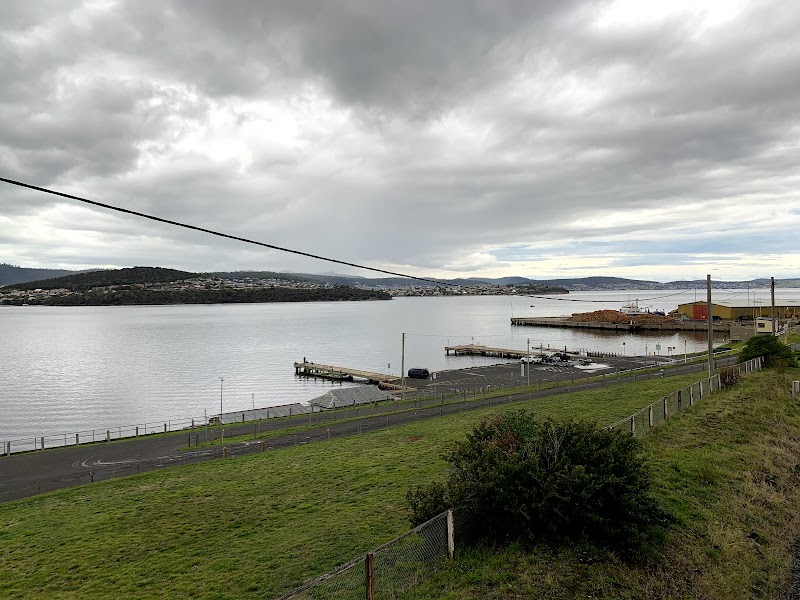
(775, 352)
(549, 481)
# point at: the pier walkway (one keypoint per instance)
(478, 350)
(312, 369)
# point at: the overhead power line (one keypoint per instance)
(220, 234)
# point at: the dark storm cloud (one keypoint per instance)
(416, 57)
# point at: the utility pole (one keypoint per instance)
(222, 429)
(403, 368)
(528, 363)
(710, 329)
(772, 310)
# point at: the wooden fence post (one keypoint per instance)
(691, 394)
(666, 407)
(369, 567)
(680, 400)
(451, 535)
(650, 416)
(700, 383)
(633, 424)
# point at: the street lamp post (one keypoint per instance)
(528, 365)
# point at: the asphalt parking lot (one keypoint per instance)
(513, 373)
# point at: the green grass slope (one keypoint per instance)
(728, 469)
(255, 526)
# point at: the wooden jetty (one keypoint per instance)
(385, 381)
(477, 350)
(673, 326)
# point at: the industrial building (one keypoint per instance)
(730, 312)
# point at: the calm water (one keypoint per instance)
(77, 368)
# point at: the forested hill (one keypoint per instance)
(81, 282)
(134, 295)
(10, 274)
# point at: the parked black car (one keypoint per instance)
(419, 373)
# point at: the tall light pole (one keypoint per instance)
(222, 429)
(709, 309)
(403, 368)
(529, 364)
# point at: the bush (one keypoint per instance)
(548, 481)
(775, 352)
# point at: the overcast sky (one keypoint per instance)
(441, 138)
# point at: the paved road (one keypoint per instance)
(31, 473)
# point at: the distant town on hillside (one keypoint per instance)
(157, 285)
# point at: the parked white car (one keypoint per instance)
(530, 359)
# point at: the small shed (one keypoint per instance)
(351, 396)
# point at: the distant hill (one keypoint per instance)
(10, 274)
(80, 282)
(23, 278)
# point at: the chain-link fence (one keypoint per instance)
(400, 565)
(643, 420)
(397, 566)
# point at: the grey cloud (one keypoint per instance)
(415, 57)
(665, 112)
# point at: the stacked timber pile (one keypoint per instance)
(615, 316)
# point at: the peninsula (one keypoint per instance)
(155, 285)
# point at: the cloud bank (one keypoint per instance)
(456, 138)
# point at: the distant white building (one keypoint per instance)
(764, 325)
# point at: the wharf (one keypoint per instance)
(385, 381)
(673, 326)
(477, 350)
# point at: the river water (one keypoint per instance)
(64, 369)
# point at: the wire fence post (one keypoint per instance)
(451, 537)
(369, 568)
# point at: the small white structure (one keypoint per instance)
(350, 396)
(764, 325)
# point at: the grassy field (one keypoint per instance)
(252, 526)
(729, 470)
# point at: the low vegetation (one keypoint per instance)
(728, 472)
(548, 481)
(775, 352)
